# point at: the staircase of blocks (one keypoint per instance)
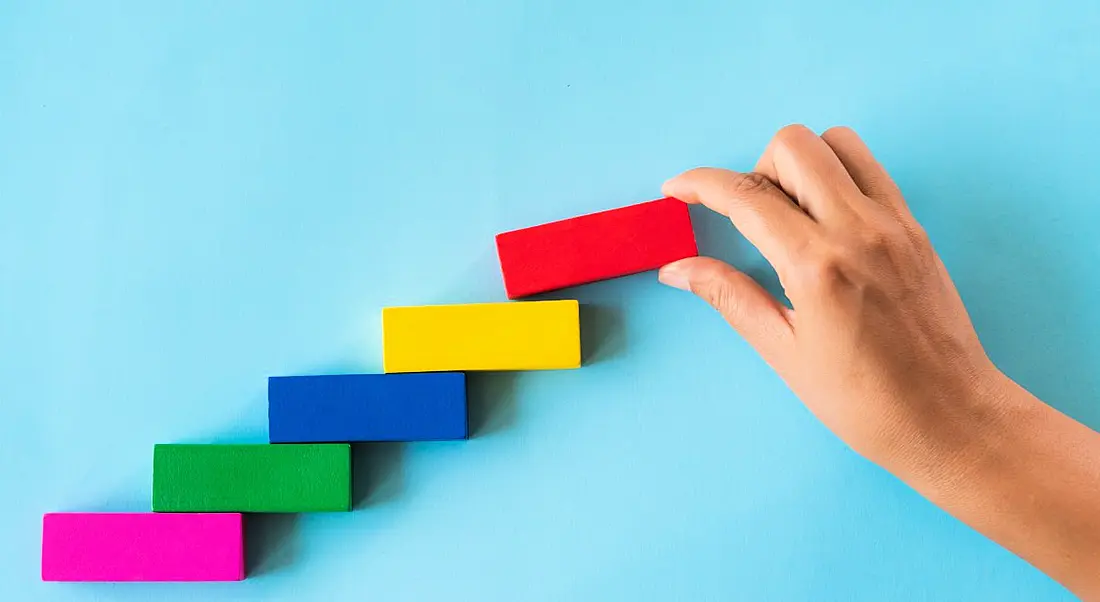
(195, 531)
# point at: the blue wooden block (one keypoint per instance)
(367, 407)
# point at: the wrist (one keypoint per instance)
(970, 436)
(1026, 476)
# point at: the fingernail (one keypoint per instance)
(673, 276)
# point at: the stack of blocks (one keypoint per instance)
(200, 492)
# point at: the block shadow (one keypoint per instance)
(601, 316)
(492, 396)
(376, 473)
(270, 542)
(491, 401)
(602, 333)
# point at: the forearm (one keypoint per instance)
(1031, 482)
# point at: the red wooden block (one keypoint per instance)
(595, 247)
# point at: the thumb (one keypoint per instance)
(753, 312)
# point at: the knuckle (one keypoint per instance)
(799, 251)
(824, 270)
(751, 183)
(828, 273)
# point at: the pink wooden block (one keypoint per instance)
(142, 547)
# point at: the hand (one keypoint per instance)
(878, 345)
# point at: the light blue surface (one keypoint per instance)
(197, 195)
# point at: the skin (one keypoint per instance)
(879, 346)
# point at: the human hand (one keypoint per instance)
(877, 344)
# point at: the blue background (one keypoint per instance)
(197, 195)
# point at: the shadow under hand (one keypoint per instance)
(717, 238)
(376, 473)
(271, 542)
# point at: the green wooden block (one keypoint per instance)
(251, 478)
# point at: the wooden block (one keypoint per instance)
(367, 407)
(251, 478)
(538, 335)
(142, 547)
(595, 247)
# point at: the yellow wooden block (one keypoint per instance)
(525, 335)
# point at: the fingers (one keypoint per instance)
(752, 312)
(763, 213)
(806, 168)
(864, 169)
